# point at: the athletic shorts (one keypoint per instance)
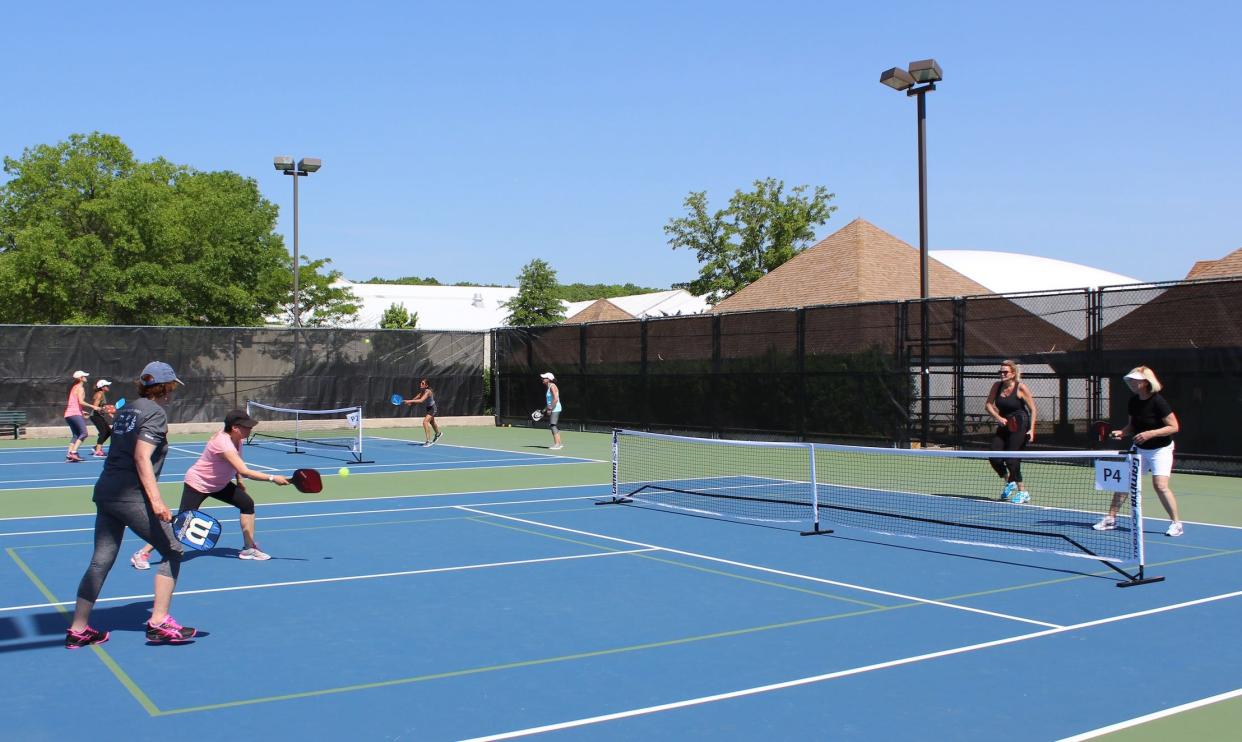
(1157, 462)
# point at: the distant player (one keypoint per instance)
(552, 396)
(428, 397)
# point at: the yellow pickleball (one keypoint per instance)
(343, 471)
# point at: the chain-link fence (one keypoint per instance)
(851, 372)
(224, 367)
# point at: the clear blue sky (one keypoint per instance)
(461, 139)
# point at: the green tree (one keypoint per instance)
(757, 232)
(397, 318)
(91, 235)
(591, 291)
(405, 281)
(536, 302)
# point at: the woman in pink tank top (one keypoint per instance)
(73, 415)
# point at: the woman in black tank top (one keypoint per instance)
(427, 397)
(1013, 407)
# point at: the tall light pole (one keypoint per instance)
(919, 80)
(305, 166)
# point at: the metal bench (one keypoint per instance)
(15, 421)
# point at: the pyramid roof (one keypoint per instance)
(1230, 265)
(600, 310)
(858, 263)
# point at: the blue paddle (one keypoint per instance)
(120, 403)
(397, 399)
(197, 530)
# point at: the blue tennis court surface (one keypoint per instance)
(505, 614)
(25, 468)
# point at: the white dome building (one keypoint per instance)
(1012, 273)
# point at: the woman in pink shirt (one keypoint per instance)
(73, 414)
(218, 473)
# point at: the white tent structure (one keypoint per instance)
(659, 304)
(481, 308)
(439, 307)
(1011, 272)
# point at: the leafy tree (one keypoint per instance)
(406, 281)
(90, 235)
(757, 232)
(590, 291)
(536, 302)
(397, 318)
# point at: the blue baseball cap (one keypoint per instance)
(158, 372)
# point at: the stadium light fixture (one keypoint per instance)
(305, 166)
(897, 79)
(918, 80)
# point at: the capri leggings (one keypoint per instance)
(553, 420)
(192, 499)
(77, 426)
(103, 426)
(1006, 440)
(111, 518)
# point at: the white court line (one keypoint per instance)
(352, 468)
(334, 514)
(629, 713)
(767, 570)
(484, 448)
(1153, 716)
(348, 578)
(360, 499)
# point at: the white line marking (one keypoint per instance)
(267, 518)
(349, 578)
(367, 499)
(1153, 716)
(768, 570)
(834, 675)
(353, 468)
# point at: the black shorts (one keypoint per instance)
(192, 499)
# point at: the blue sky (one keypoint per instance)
(461, 140)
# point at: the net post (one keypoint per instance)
(1136, 513)
(615, 461)
(616, 490)
(816, 530)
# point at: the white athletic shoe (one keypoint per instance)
(1107, 523)
(1175, 529)
(557, 447)
(253, 553)
(141, 560)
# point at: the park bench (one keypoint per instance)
(15, 421)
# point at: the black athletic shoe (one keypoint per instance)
(170, 632)
(433, 440)
(85, 638)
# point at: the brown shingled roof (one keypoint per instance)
(1230, 265)
(858, 263)
(600, 310)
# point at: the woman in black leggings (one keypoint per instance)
(1013, 407)
(128, 494)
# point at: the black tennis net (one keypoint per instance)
(302, 431)
(949, 495)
